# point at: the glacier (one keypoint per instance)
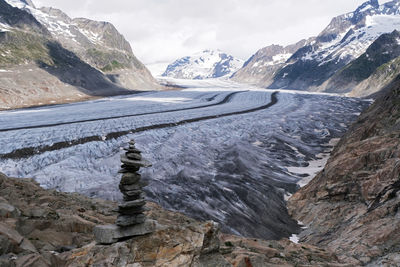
(214, 155)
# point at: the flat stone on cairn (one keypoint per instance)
(131, 220)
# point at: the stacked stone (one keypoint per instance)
(132, 208)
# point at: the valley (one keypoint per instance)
(288, 158)
(220, 150)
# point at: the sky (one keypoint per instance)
(165, 30)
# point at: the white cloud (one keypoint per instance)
(163, 30)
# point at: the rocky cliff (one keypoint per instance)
(46, 57)
(49, 228)
(352, 205)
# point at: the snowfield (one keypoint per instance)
(204, 65)
(219, 150)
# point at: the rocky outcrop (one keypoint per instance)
(36, 224)
(47, 228)
(352, 205)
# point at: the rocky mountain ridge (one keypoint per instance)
(46, 58)
(204, 65)
(352, 205)
(344, 40)
(263, 65)
(373, 70)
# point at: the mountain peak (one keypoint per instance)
(21, 3)
(203, 65)
(28, 2)
(373, 7)
(209, 52)
(369, 6)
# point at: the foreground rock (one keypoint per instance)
(352, 206)
(47, 228)
(36, 224)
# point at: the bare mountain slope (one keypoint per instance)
(352, 205)
(262, 67)
(45, 57)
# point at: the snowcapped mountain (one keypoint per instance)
(371, 71)
(97, 43)
(346, 38)
(203, 65)
(54, 58)
(261, 67)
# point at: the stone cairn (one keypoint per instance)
(132, 208)
(131, 220)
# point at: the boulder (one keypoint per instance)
(135, 163)
(108, 234)
(131, 219)
(8, 211)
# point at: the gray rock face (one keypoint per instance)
(106, 33)
(8, 211)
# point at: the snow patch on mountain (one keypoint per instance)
(4, 27)
(59, 24)
(277, 59)
(17, 3)
(92, 36)
(52, 23)
(353, 41)
(204, 65)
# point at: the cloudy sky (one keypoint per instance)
(164, 30)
